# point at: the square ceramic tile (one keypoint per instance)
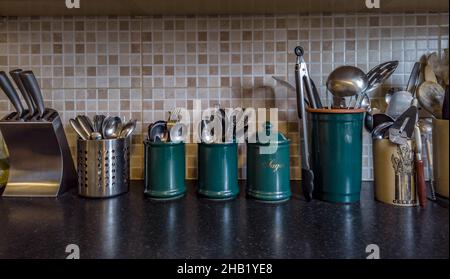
(143, 67)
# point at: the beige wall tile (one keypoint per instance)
(142, 67)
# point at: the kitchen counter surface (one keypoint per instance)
(132, 226)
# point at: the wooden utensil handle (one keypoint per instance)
(420, 182)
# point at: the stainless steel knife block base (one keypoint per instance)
(39, 158)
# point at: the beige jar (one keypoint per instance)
(394, 173)
(440, 156)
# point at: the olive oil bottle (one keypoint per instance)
(4, 164)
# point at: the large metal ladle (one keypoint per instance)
(347, 81)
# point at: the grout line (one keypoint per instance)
(25, 38)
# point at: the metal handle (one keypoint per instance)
(307, 173)
(315, 93)
(300, 87)
(11, 93)
(32, 86)
(86, 123)
(411, 86)
(299, 92)
(15, 74)
(430, 167)
(76, 126)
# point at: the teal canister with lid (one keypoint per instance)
(268, 167)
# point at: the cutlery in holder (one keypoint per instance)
(40, 163)
(103, 167)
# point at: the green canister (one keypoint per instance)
(217, 170)
(164, 174)
(268, 169)
(336, 154)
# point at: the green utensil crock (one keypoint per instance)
(337, 154)
(217, 170)
(268, 175)
(164, 174)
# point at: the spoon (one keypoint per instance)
(98, 121)
(162, 137)
(431, 97)
(238, 124)
(379, 131)
(347, 81)
(426, 129)
(76, 126)
(387, 97)
(111, 127)
(368, 117)
(379, 74)
(128, 128)
(178, 132)
(206, 132)
(96, 136)
(157, 131)
(365, 102)
(85, 124)
(376, 77)
(220, 115)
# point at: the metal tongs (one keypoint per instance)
(403, 128)
(302, 84)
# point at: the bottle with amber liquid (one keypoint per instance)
(4, 164)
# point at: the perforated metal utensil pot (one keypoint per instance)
(103, 167)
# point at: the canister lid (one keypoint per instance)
(280, 138)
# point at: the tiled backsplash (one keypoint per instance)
(142, 67)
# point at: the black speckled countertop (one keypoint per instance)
(132, 226)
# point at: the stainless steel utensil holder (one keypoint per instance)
(103, 167)
(40, 163)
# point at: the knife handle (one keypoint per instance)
(15, 74)
(11, 93)
(420, 181)
(32, 86)
(315, 94)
